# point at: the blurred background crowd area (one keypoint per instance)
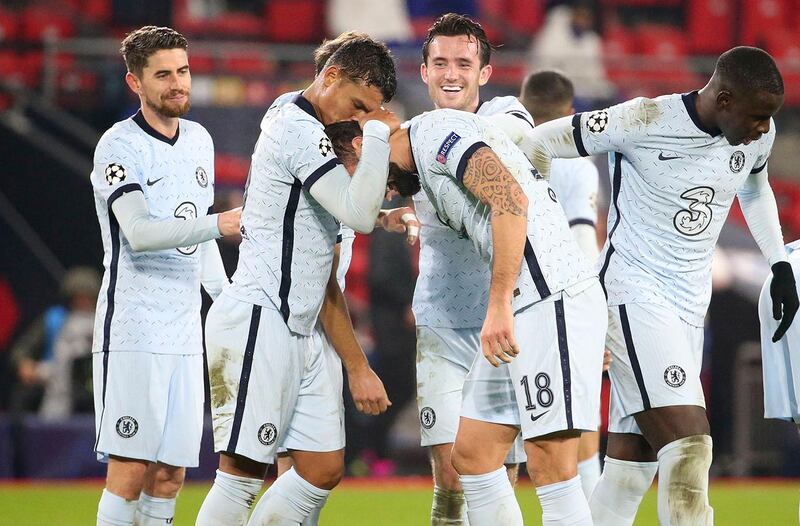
(61, 86)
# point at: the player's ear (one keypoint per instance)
(423, 72)
(330, 75)
(133, 83)
(486, 72)
(724, 99)
(357, 142)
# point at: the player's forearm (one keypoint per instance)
(212, 271)
(761, 213)
(356, 200)
(553, 139)
(335, 319)
(144, 232)
(509, 233)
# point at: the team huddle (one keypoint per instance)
(518, 313)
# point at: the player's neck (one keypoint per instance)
(705, 104)
(402, 154)
(166, 126)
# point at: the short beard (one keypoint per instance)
(170, 112)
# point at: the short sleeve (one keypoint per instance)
(117, 166)
(309, 152)
(611, 129)
(576, 183)
(766, 149)
(449, 145)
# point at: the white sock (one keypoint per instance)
(154, 511)
(114, 510)
(617, 495)
(449, 508)
(589, 470)
(313, 517)
(229, 500)
(564, 503)
(683, 482)
(490, 499)
(288, 502)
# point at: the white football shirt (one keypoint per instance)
(150, 301)
(452, 288)
(673, 183)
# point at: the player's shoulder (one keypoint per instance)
(292, 119)
(194, 129)
(501, 104)
(122, 136)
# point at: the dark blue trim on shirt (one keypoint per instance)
(690, 101)
(113, 268)
(615, 184)
(462, 163)
(520, 115)
(576, 135)
(304, 104)
(536, 270)
(582, 221)
(288, 248)
(319, 172)
(149, 130)
(759, 169)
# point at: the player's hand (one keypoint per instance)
(783, 292)
(229, 222)
(401, 220)
(381, 114)
(367, 390)
(497, 336)
(607, 359)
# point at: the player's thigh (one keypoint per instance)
(481, 446)
(444, 357)
(125, 477)
(558, 372)
(131, 403)
(317, 423)
(255, 369)
(657, 362)
(183, 427)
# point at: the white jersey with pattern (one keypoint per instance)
(346, 235)
(150, 301)
(673, 182)
(287, 237)
(452, 289)
(442, 142)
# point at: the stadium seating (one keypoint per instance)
(711, 25)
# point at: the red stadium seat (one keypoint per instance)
(248, 64)
(665, 68)
(230, 170)
(711, 24)
(38, 22)
(619, 48)
(294, 20)
(760, 18)
(525, 16)
(420, 26)
(785, 48)
(8, 26)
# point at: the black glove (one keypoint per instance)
(783, 292)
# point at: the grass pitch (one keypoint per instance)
(377, 502)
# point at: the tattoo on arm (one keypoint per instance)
(491, 182)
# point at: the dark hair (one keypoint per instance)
(326, 49)
(342, 134)
(367, 60)
(749, 70)
(406, 183)
(451, 25)
(138, 45)
(544, 93)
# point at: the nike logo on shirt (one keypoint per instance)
(662, 157)
(151, 183)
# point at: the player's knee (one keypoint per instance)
(165, 481)
(446, 475)
(683, 466)
(466, 460)
(549, 463)
(324, 474)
